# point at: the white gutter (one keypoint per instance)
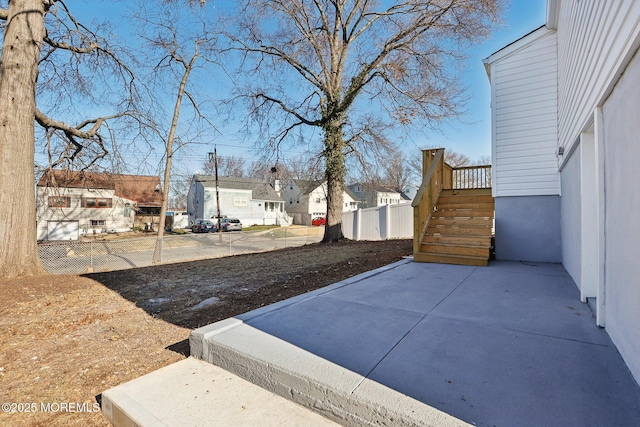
(553, 11)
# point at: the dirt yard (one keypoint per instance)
(66, 339)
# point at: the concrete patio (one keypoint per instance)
(431, 344)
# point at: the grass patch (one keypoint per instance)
(259, 227)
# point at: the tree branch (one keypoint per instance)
(288, 110)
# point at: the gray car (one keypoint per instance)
(204, 226)
(230, 224)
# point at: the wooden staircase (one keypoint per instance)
(460, 229)
(453, 213)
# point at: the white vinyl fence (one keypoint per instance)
(379, 223)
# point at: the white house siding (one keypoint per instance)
(237, 203)
(233, 204)
(195, 198)
(524, 115)
(595, 39)
(318, 201)
(622, 206)
(598, 111)
(114, 217)
(526, 182)
(570, 216)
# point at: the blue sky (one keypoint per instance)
(470, 136)
(474, 138)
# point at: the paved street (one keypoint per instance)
(81, 257)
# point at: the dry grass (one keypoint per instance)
(66, 339)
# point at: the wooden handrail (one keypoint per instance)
(427, 176)
(428, 193)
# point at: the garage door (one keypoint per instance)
(63, 230)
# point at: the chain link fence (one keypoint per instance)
(77, 257)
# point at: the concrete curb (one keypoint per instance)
(305, 378)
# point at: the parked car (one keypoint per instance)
(317, 221)
(230, 224)
(204, 226)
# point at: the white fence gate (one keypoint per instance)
(379, 223)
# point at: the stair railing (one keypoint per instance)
(470, 177)
(433, 181)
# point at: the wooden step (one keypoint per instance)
(457, 239)
(463, 205)
(461, 231)
(465, 199)
(468, 192)
(461, 222)
(453, 249)
(464, 213)
(451, 259)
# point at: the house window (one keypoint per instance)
(59, 202)
(269, 206)
(148, 210)
(239, 201)
(127, 210)
(97, 223)
(96, 202)
(318, 200)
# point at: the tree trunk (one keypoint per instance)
(18, 73)
(157, 253)
(335, 173)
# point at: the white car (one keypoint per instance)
(230, 224)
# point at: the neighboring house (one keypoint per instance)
(565, 108)
(177, 219)
(305, 200)
(71, 204)
(252, 201)
(372, 195)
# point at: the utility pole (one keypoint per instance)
(215, 168)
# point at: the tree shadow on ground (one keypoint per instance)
(197, 293)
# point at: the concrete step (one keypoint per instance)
(196, 393)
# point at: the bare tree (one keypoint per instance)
(268, 171)
(397, 172)
(176, 39)
(180, 183)
(48, 52)
(306, 167)
(318, 63)
(45, 50)
(227, 166)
